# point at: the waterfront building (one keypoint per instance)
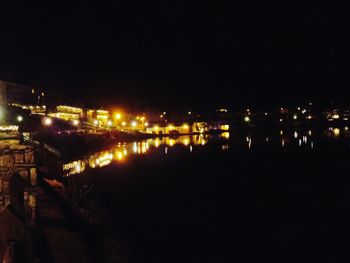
(98, 117)
(67, 113)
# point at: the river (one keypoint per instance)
(280, 195)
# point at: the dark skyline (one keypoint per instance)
(170, 54)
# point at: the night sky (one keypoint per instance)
(173, 54)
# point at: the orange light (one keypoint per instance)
(47, 121)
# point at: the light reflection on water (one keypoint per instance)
(119, 153)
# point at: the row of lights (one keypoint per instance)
(47, 121)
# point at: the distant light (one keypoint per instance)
(109, 123)
(118, 116)
(336, 132)
(246, 119)
(309, 117)
(185, 126)
(189, 113)
(281, 120)
(146, 123)
(164, 113)
(335, 116)
(281, 132)
(19, 118)
(225, 127)
(265, 113)
(170, 127)
(95, 122)
(123, 123)
(299, 108)
(133, 123)
(295, 117)
(225, 135)
(47, 121)
(76, 122)
(120, 156)
(346, 128)
(156, 128)
(303, 111)
(295, 134)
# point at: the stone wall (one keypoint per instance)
(16, 159)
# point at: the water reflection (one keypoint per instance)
(120, 152)
(283, 138)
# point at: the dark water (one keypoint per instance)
(281, 196)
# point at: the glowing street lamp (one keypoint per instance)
(47, 121)
(133, 123)
(246, 119)
(19, 118)
(109, 123)
(118, 116)
(75, 122)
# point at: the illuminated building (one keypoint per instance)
(102, 116)
(67, 113)
(69, 109)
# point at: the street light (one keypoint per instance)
(47, 121)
